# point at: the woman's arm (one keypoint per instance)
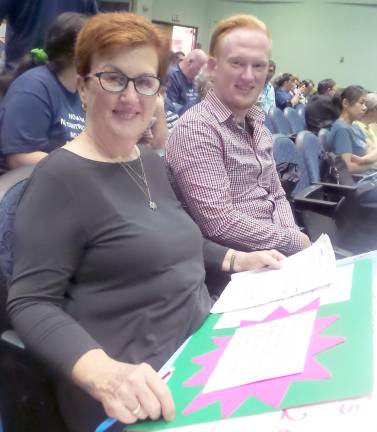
(50, 239)
(355, 164)
(21, 159)
(127, 392)
(369, 158)
(159, 129)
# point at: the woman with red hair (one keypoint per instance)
(109, 269)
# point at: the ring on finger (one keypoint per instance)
(137, 409)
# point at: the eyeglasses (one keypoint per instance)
(116, 82)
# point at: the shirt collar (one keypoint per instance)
(222, 112)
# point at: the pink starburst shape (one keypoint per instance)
(272, 391)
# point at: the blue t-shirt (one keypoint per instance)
(180, 91)
(29, 20)
(38, 114)
(344, 138)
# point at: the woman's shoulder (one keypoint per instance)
(340, 124)
(39, 81)
(60, 164)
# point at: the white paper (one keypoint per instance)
(340, 290)
(264, 351)
(337, 292)
(305, 271)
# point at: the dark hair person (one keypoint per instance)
(326, 87)
(286, 92)
(347, 139)
(109, 269)
(41, 109)
(343, 138)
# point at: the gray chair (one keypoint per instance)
(279, 122)
(300, 109)
(297, 124)
(356, 222)
(26, 398)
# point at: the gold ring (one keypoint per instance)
(137, 409)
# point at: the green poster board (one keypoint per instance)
(350, 363)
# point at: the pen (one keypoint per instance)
(106, 424)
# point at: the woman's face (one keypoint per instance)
(124, 115)
(357, 110)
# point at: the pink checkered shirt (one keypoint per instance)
(226, 177)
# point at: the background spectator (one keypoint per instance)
(320, 112)
(42, 108)
(29, 20)
(286, 93)
(180, 90)
(266, 99)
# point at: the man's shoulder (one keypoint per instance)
(199, 115)
(175, 72)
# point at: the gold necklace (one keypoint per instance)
(136, 177)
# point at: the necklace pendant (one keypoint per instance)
(152, 205)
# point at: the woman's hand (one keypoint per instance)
(127, 392)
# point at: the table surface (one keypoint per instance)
(346, 415)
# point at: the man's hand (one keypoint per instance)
(244, 261)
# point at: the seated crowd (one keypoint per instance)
(121, 284)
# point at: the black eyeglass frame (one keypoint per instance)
(126, 81)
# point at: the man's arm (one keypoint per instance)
(194, 156)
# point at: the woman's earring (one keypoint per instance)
(84, 106)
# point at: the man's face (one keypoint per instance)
(331, 92)
(239, 68)
(194, 67)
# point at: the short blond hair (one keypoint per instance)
(234, 22)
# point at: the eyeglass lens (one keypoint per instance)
(117, 82)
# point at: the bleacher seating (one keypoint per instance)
(279, 121)
(295, 121)
(300, 109)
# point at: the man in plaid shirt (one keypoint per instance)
(219, 153)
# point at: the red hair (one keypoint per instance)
(108, 30)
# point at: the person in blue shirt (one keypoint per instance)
(180, 89)
(41, 109)
(285, 87)
(344, 138)
(266, 99)
(28, 21)
(348, 140)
